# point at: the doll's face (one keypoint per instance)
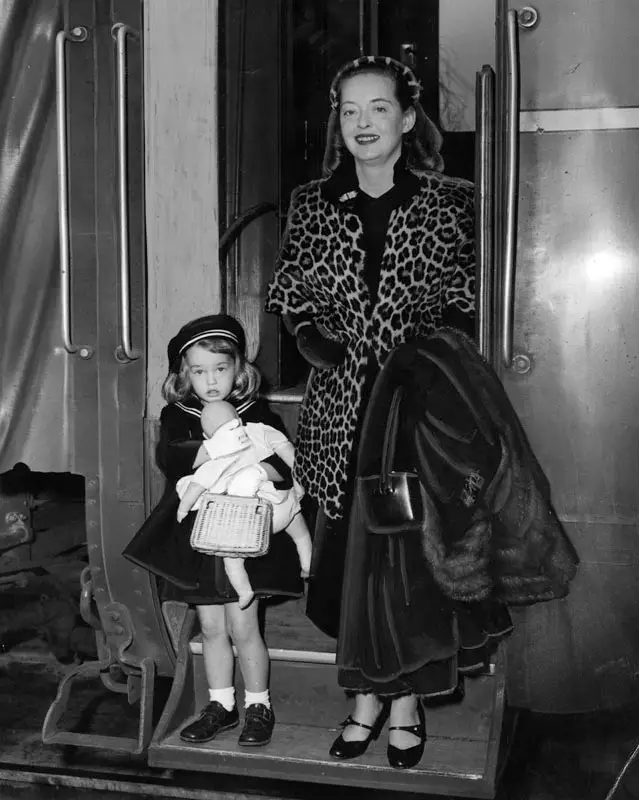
(372, 121)
(212, 375)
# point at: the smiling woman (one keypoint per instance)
(378, 253)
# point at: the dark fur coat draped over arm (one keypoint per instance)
(489, 527)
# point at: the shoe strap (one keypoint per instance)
(350, 721)
(416, 730)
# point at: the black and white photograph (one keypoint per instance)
(319, 400)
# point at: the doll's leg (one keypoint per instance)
(220, 713)
(239, 579)
(299, 533)
(191, 495)
(254, 663)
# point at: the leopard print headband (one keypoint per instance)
(401, 70)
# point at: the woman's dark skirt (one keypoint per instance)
(397, 632)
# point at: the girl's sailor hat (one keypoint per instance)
(213, 326)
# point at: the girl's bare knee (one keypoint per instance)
(212, 622)
(243, 625)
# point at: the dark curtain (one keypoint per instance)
(35, 371)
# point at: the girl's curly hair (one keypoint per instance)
(177, 384)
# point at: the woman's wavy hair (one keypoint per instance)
(420, 146)
(177, 384)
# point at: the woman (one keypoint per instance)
(378, 253)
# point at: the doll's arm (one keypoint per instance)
(189, 496)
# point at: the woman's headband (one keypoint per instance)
(381, 62)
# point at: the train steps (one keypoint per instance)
(464, 754)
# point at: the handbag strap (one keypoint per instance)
(390, 440)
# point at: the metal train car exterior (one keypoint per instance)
(148, 155)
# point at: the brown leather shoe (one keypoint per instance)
(258, 726)
(213, 720)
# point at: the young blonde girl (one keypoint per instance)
(207, 364)
(235, 451)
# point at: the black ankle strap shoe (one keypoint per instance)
(411, 756)
(343, 750)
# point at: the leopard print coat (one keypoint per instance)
(428, 265)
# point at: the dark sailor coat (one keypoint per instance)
(162, 543)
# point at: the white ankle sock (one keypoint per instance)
(250, 698)
(224, 696)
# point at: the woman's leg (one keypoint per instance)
(367, 709)
(403, 712)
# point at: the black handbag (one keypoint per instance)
(391, 502)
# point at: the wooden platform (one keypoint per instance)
(461, 757)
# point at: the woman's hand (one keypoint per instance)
(320, 352)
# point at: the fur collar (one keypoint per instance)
(341, 188)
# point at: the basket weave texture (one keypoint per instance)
(238, 527)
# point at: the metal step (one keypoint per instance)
(461, 757)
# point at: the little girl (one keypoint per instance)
(233, 468)
(207, 364)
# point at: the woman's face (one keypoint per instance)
(371, 119)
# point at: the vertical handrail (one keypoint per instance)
(484, 182)
(512, 179)
(126, 351)
(77, 35)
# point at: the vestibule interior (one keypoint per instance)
(276, 64)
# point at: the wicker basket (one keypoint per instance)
(227, 525)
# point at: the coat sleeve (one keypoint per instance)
(459, 294)
(290, 291)
(177, 447)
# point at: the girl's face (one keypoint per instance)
(372, 121)
(212, 375)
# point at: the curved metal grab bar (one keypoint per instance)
(238, 225)
(76, 35)
(512, 176)
(484, 159)
(126, 350)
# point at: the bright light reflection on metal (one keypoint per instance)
(604, 265)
